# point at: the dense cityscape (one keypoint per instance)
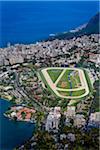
(61, 124)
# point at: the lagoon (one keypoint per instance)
(12, 133)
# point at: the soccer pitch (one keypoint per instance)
(67, 83)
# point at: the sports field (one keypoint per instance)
(67, 83)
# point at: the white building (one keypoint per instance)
(79, 120)
(95, 117)
(53, 119)
(70, 111)
(71, 137)
(13, 114)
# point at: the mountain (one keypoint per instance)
(93, 24)
(92, 27)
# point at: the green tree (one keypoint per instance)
(23, 115)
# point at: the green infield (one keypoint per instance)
(78, 93)
(64, 82)
(69, 80)
(72, 93)
(64, 93)
(69, 83)
(54, 73)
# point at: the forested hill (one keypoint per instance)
(93, 25)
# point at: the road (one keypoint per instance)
(36, 104)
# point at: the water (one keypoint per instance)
(12, 133)
(27, 22)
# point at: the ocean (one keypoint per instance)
(28, 22)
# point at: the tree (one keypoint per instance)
(62, 122)
(45, 141)
(39, 118)
(23, 114)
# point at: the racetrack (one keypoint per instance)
(54, 87)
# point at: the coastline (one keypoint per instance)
(16, 113)
(10, 118)
(36, 25)
(5, 99)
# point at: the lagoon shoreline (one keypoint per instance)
(11, 130)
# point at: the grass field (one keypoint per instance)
(69, 80)
(75, 79)
(70, 93)
(54, 74)
(64, 83)
(64, 93)
(78, 93)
